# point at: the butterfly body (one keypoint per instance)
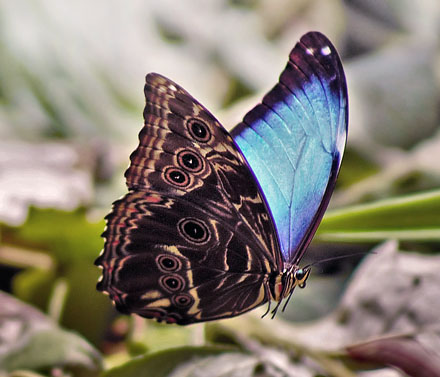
(207, 229)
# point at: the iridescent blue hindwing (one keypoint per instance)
(294, 141)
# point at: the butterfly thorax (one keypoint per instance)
(283, 283)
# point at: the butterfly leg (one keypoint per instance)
(267, 289)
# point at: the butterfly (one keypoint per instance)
(214, 223)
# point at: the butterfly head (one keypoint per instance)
(285, 282)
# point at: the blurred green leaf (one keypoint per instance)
(32, 341)
(25, 373)
(55, 347)
(188, 361)
(237, 90)
(412, 217)
(86, 310)
(36, 286)
(33, 286)
(159, 336)
(355, 168)
(67, 235)
(73, 242)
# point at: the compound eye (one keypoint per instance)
(300, 274)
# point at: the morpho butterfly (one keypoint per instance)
(215, 224)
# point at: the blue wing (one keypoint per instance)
(294, 141)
